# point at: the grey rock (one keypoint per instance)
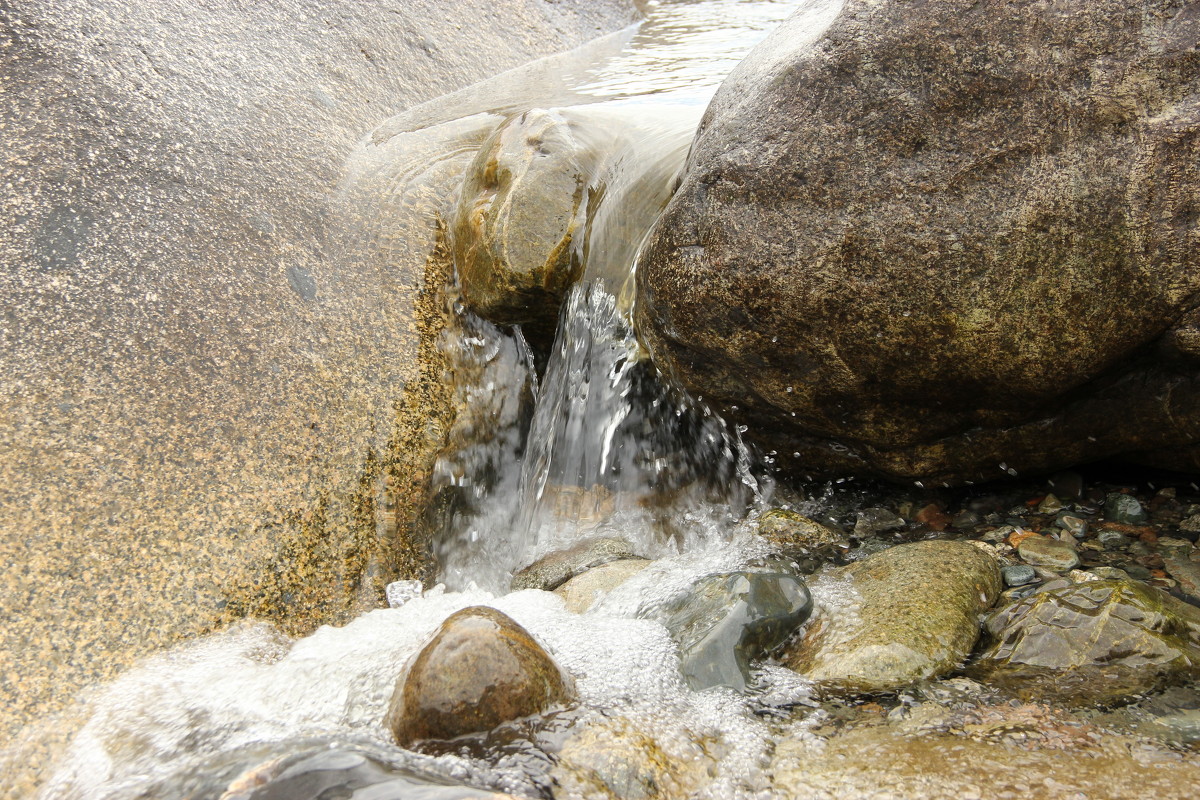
(554, 569)
(1097, 641)
(726, 620)
(1125, 509)
(1112, 540)
(1076, 526)
(966, 519)
(915, 615)
(584, 590)
(1050, 505)
(1054, 554)
(879, 218)
(1019, 575)
(876, 520)
(479, 670)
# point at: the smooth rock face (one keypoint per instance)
(1098, 641)
(208, 325)
(726, 620)
(554, 569)
(914, 614)
(479, 670)
(521, 204)
(947, 243)
(582, 591)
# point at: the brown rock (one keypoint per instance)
(945, 188)
(915, 615)
(584, 590)
(479, 670)
(933, 517)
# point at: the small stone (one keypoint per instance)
(1050, 505)
(1138, 571)
(479, 670)
(1052, 553)
(1110, 573)
(990, 549)
(1112, 540)
(933, 517)
(1191, 524)
(796, 535)
(1170, 542)
(999, 534)
(876, 520)
(1124, 508)
(585, 589)
(1019, 575)
(554, 569)
(965, 519)
(1079, 576)
(1019, 535)
(1016, 593)
(1076, 526)
(1167, 492)
(1186, 571)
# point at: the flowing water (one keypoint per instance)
(551, 447)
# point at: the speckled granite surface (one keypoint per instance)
(207, 331)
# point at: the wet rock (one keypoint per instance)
(1109, 573)
(1185, 571)
(1050, 505)
(876, 520)
(1076, 526)
(965, 520)
(1124, 509)
(1092, 642)
(1191, 524)
(1019, 575)
(726, 620)
(614, 760)
(554, 569)
(582, 591)
(215, 311)
(479, 670)
(933, 517)
(797, 536)
(521, 204)
(1041, 551)
(879, 224)
(1112, 540)
(915, 614)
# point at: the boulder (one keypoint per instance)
(1093, 642)
(210, 319)
(945, 244)
(479, 670)
(908, 613)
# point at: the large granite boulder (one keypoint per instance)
(946, 241)
(209, 321)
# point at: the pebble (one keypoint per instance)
(1075, 526)
(965, 519)
(1042, 552)
(1110, 573)
(1113, 540)
(1124, 508)
(1081, 576)
(1019, 575)
(876, 520)
(1050, 505)
(1191, 524)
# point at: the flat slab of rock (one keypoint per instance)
(1091, 642)
(904, 614)
(1042, 551)
(479, 670)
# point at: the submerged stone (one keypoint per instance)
(582, 591)
(796, 535)
(554, 569)
(479, 670)
(1125, 509)
(1042, 551)
(725, 620)
(914, 614)
(1092, 642)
